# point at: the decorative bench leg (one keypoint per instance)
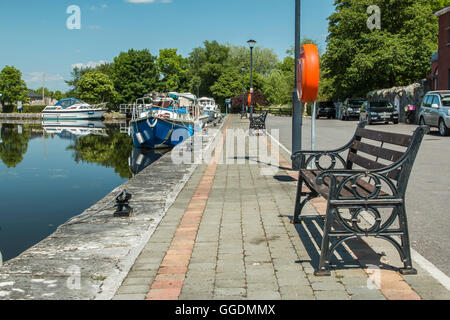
(325, 254)
(299, 204)
(408, 269)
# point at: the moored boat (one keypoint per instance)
(209, 108)
(71, 109)
(165, 123)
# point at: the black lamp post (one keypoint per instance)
(251, 44)
(243, 92)
(297, 107)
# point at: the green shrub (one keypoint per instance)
(8, 108)
(33, 109)
(25, 109)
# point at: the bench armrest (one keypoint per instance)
(333, 154)
(308, 157)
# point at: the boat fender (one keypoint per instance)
(152, 125)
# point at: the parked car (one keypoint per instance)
(326, 109)
(435, 111)
(351, 107)
(378, 111)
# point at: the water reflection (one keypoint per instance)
(52, 171)
(74, 128)
(13, 143)
(142, 158)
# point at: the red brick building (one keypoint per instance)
(441, 65)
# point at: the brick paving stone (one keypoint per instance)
(134, 289)
(331, 295)
(129, 297)
(264, 295)
(130, 281)
(229, 292)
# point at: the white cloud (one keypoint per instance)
(90, 64)
(37, 77)
(103, 6)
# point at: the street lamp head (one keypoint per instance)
(243, 70)
(251, 43)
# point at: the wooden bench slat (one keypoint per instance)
(383, 153)
(371, 165)
(387, 137)
(364, 162)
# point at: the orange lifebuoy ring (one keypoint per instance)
(308, 73)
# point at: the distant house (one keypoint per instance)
(34, 98)
(440, 75)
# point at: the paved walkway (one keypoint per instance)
(228, 236)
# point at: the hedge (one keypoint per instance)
(25, 109)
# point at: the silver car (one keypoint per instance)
(435, 111)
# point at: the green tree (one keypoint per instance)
(228, 85)
(12, 87)
(264, 60)
(96, 87)
(58, 95)
(441, 4)
(78, 72)
(278, 88)
(208, 63)
(134, 74)
(173, 69)
(358, 59)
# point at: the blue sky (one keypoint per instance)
(35, 39)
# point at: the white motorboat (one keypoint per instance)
(71, 109)
(209, 108)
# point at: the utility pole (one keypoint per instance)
(297, 112)
(243, 93)
(43, 88)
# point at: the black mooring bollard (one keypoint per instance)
(123, 209)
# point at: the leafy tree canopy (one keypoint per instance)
(96, 87)
(173, 69)
(358, 60)
(134, 74)
(264, 60)
(12, 87)
(208, 63)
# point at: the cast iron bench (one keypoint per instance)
(375, 190)
(259, 122)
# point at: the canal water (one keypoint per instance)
(53, 171)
